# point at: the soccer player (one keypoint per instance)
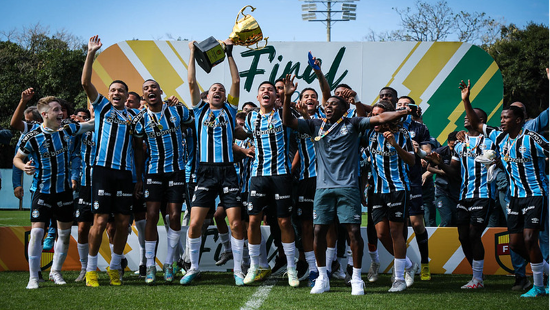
(112, 186)
(49, 149)
(523, 154)
(337, 193)
(474, 206)
(161, 126)
(216, 175)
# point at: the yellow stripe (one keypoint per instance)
(102, 73)
(474, 91)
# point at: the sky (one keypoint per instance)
(280, 20)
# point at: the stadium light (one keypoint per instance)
(348, 9)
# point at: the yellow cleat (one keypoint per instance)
(114, 276)
(91, 279)
(262, 274)
(425, 274)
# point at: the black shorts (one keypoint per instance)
(416, 203)
(270, 191)
(473, 212)
(213, 181)
(165, 187)
(391, 206)
(305, 198)
(59, 205)
(527, 213)
(84, 211)
(112, 191)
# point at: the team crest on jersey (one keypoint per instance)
(35, 214)
(344, 130)
(483, 146)
(96, 205)
(389, 146)
(146, 194)
(59, 203)
(412, 134)
(522, 149)
(77, 214)
(173, 119)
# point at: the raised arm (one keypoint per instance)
(323, 83)
(191, 76)
(472, 115)
(235, 78)
(17, 117)
(388, 116)
(290, 87)
(94, 44)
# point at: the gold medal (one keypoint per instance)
(318, 138)
(506, 158)
(159, 126)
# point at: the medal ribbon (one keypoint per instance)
(321, 135)
(510, 146)
(153, 117)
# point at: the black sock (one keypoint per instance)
(422, 241)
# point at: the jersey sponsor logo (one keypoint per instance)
(525, 210)
(519, 160)
(113, 119)
(279, 197)
(384, 153)
(35, 213)
(162, 132)
(269, 131)
(377, 206)
(55, 153)
(215, 124)
(201, 189)
(473, 208)
(395, 204)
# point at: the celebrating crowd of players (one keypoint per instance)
(305, 168)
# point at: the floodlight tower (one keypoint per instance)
(330, 11)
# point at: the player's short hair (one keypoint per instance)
(119, 82)
(306, 89)
(43, 104)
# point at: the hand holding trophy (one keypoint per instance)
(246, 32)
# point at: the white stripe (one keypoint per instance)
(256, 300)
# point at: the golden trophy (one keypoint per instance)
(246, 32)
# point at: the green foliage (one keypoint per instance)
(522, 55)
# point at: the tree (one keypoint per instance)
(522, 55)
(438, 22)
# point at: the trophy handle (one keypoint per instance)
(242, 10)
(257, 47)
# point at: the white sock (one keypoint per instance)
(329, 257)
(310, 259)
(356, 274)
(538, 274)
(92, 263)
(224, 239)
(289, 249)
(61, 248)
(194, 251)
(237, 248)
(173, 237)
(399, 266)
(477, 268)
(83, 249)
(323, 273)
(374, 256)
(35, 251)
(408, 263)
(115, 261)
(140, 226)
(263, 254)
(254, 251)
(150, 252)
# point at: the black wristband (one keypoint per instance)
(229, 50)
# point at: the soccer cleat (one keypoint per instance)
(473, 284)
(321, 285)
(292, 274)
(398, 286)
(81, 276)
(33, 284)
(313, 275)
(239, 278)
(224, 258)
(114, 276)
(338, 273)
(262, 274)
(425, 274)
(357, 287)
(56, 277)
(280, 266)
(142, 271)
(48, 243)
(409, 274)
(535, 291)
(372, 276)
(189, 276)
(91, 279)
(168, 273)
(251, 275)
(150, 274)
(521, 284)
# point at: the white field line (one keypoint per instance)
(258, 298)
